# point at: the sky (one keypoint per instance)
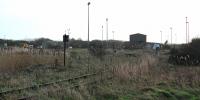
(29, 19)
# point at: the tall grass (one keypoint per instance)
(141, 69)
(148, 71)
(17, 61)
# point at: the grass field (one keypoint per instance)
(136, 75)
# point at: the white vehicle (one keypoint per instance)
(156, 46)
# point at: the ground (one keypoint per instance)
(125, 75)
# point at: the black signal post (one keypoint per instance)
(65, 40)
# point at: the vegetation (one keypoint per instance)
(97, 49)
(188, 54)
(136, 75)
(50, 44)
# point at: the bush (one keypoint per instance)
(194, 47)
(173, 51)
(188, 54)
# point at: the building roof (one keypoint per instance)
(137, 34)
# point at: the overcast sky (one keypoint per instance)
(27, 19)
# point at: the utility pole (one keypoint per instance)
(107, 31)
(186, 30)
(176, 38)
(68, 30)
(113, 34)
(69, 38)
(171, 34)
(5, 44)
(161, 37)
(102, 33)
(88, 37)
(88, 24)
(113, 41)
(188, 33)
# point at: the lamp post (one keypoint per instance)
(113, 34)
(113, 41)
(171, 34)
(161, 37)
(88, 36)
(188, 33)
(186, 30)
(88, 23)
(107, 31)
(102, 33)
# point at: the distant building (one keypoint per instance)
(138, 39)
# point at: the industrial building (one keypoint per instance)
(138, 39)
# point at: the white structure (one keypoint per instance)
(156, 45)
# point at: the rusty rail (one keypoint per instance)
(51, 83)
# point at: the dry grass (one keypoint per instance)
(14, 62)
(59, 93)
(186, 76)
(148, 71)
(138, 70)
(17, 61)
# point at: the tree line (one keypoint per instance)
(74, 43)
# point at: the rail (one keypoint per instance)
(37, 86)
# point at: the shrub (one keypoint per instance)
(188, 54)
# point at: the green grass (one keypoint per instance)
(153, 93)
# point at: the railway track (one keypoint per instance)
(73, 83)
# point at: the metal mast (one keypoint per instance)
(113, 34)
(171, 34)
(188, 33)
(88, 37)
(102, 33)
(186, 30)
(88, 24)
(107, 30)
(161, 37)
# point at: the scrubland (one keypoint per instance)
(136, 75)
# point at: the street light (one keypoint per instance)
(88, 24)
(102, 33)
(161, 37)
(107, 28)
(88, 37)
(171, 34)
(187, 30)
(188, 33)
(107, 31)
(113, 34)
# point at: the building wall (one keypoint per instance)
(137, 39)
